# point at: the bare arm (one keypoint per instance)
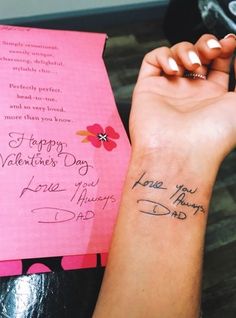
(179, 139)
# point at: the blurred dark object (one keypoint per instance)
(188, 20)
(218, 16)
(183, 21)
(70, 294)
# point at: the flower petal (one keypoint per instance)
(95, 129)
(94, 141)
(111, 133)
(109, 145)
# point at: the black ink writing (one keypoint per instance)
(157, 209)
(83, 198)
(82, 184)
(149, 183)
(44, 187)
(18, 159)
(181, 200)
(70, 160)
(19, 139)
(183, 189)
(56, 215)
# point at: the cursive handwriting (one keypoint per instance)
(157, 209)
(19, 139)
(182, 197)
(35, 160)
(183, 189)
(83, 198)
(181, 200)
(18, 159)
(56, 215)
(83, 184)
(70, 160)
(149, 183)
(51, 187)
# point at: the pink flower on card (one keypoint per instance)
(98, 136)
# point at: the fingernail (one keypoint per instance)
(213, 44)
(194, 58)
(173, 65)
(230, 35)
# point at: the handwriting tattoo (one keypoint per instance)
(182, 198)
(149, 183)
(155, 208)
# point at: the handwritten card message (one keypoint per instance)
(63, 148)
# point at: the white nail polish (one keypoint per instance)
(194, 58)
(230, 35)
(213, 44)
(173, 65)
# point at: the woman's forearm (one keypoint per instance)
(155, 262)
(181, 129)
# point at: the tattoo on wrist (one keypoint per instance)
(149, 183)
(181, 203)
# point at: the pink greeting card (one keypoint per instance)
(64, 151)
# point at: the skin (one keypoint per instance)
(181, 129)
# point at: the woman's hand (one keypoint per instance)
(194, 116)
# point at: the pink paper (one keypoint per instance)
(64, 151)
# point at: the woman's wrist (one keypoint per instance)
(159, 235)
(171, 161)
(170, 184)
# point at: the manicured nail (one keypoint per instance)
(173, 65)
(194, 58)
(213, 44)
(230, 35)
